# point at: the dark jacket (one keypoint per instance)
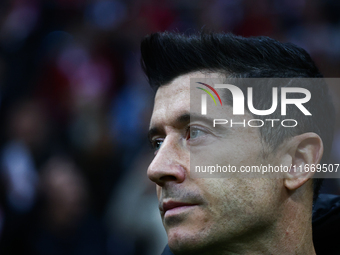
(326, 226)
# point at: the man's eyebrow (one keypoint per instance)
(153, 131)
(181, 120)
(199, 117)
(193, 117)
(187, 118)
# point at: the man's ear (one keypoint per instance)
(305, 149)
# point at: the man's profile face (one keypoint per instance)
(209, 213)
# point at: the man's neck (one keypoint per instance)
(292, 234)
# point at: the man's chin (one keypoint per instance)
(185, 241)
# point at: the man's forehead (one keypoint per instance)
(173, 99)
(179, 88)
(182, 82)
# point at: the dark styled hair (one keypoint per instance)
(166, 56)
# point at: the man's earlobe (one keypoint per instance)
(306, 150)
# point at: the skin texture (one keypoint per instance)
(226, 215)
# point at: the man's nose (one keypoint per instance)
(169, 164)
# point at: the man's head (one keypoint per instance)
(211, 211)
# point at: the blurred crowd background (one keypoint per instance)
(75, 107)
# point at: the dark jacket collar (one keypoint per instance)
(167, 251)
(326, 225)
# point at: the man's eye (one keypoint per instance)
(194, 133)
(157, 144)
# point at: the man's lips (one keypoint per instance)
(171, 205)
